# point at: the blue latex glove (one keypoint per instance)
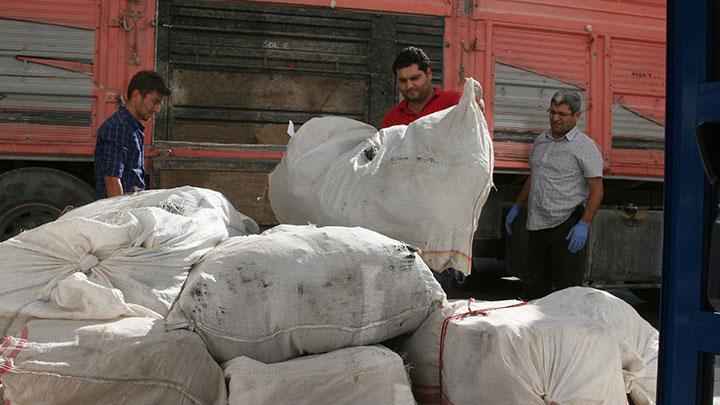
(578, 236)
(514, 211)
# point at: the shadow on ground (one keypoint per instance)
(493, 284)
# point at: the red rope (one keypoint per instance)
(446, 322)
(19, 344)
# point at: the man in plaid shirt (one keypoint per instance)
(119, 155)
(563, 193)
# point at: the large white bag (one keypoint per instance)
(124, 256)
(422, 349)
(296, 290)
(372, 375)
(635, 335)
(424, 184)
(125, 361)
(535, 353)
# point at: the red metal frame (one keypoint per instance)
(71, 13)
(125, 44)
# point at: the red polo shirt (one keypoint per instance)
(400, 114)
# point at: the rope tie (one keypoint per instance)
(443, 332)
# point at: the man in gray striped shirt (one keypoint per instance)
(563, 193)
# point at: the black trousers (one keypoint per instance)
(551, 266)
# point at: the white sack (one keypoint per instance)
(424, 184)
(635, 335)
(372, 375)
(526, 354)
(124, 361)
(422, 348)
(296, 290)
(124, 256)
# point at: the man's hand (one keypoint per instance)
(578, 236)
(510, 218)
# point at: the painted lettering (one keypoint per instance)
(276, 45)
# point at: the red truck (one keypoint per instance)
(239, 70)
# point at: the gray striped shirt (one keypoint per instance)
(558, 169)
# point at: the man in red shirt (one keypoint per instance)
(413, 77)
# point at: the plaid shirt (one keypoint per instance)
(119, 152)
(558, 169)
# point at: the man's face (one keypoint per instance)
(414, 84)
(562, 120)
(146, 107)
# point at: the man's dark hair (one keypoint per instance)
(410, 56)
(147, 81)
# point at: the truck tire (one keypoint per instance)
(32, 196)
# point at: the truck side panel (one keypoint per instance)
(240, 71)
(46, 71)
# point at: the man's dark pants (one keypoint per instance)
(550, 264)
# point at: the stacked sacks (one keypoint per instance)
(125, 256)
(82, 300)
(424, 184)
(577, 345)
(125, 361)
(356, 375)
(296, 290)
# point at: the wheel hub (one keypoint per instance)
(26, 216)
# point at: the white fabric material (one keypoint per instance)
(422, 348)
(296, 290)
(424, 184)
(636, 337)
(371, 375)
(124, 361)
(575, 346)
(125, 256)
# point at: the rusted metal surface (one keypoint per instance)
(243, 182)
(420, 7)
(209, 150)
(240, 70)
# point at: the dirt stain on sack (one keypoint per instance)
(370, 152)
